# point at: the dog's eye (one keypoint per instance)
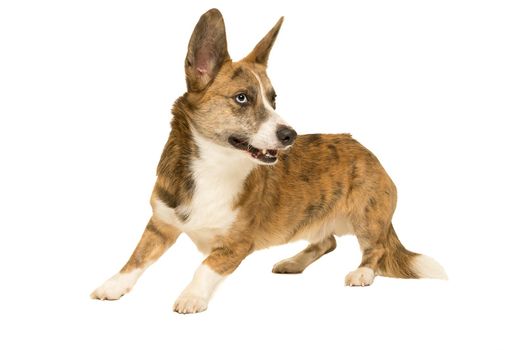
(241, 98)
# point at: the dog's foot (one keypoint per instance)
(116, 286)
(190, 304)
(288, 266)
(363, 276)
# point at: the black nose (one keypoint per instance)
(286, 135)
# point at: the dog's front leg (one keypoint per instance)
(221, 262)
(156, 239)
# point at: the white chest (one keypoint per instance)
(219, 176)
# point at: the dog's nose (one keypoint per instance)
(286, 135)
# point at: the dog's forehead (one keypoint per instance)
(244, 73)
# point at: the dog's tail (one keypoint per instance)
(402, 263)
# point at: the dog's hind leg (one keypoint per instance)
(156, 239)
(303, 259)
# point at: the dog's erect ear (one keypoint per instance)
(207, 51)
(261, 52)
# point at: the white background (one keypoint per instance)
(435, 89)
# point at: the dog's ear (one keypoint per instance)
(207, 50)
(261, 52)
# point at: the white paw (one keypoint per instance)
(190, 304)
(288, 266)
(116, 286)
(363, 276)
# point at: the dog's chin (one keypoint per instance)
(258, 155)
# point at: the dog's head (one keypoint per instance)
(233, 103)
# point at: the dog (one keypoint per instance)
(235, 177)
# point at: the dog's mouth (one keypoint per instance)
(267, 156)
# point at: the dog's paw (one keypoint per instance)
(288, 266)
(115, 287)
(363, 276)
(190, 304)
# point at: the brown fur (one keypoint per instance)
(157, 238)
(317, 185)
(303, 259)
(319, 178)
(175, 184)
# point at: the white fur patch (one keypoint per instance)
(219, 175)
(426, 267)
(165, 214)
(117, 286)
(197, 294)
(266, 136)
(363, 276)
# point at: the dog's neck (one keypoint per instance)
(192, 165)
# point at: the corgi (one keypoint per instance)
(235, 177)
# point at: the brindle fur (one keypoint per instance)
(307, 188)
(317, 184)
